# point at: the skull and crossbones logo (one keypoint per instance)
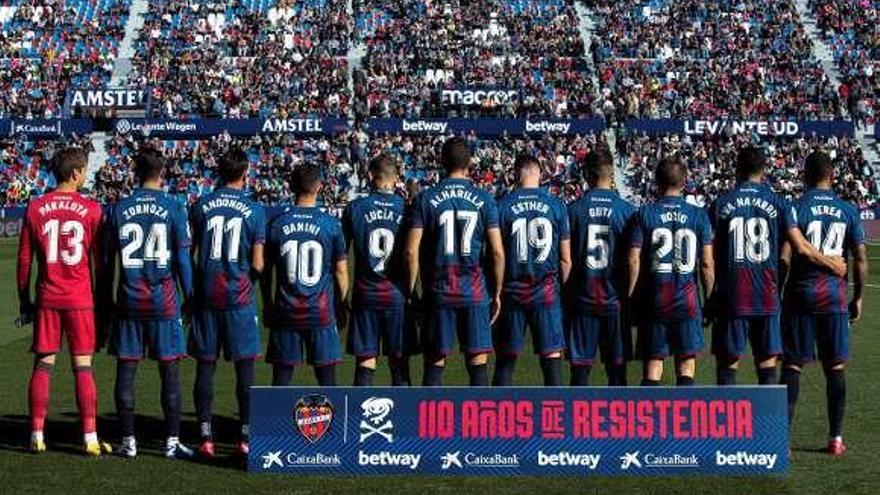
(375, 418)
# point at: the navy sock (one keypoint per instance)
(479, 374)
(433, 375)
(244, 379)
(504, 366)
(124, 392)
(326, 375)
(169, 375)
(616, 374)
(684, 381)
(791, 378)
(282, 375)
(650, 383)
(725, 375)
(835, 391)
(399, 371)
(552, 371)
(580, 375)
(767, 376)
(363, 376)
(203, 393)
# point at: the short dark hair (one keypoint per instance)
(232, 165)
(750, 161)
(66, 161)
(523, 161)
(598, 164)
(148, 164)
(455, 155)
(817, 167)
(670, 172)
(383, 166)
(306, 179)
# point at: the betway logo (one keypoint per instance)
(589, 461)
(745, 459)
(389, 459)
(424, 126)
(545, 126)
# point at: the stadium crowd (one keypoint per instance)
(48, 46)
(236, 59)
(416, 48)
(24, 168)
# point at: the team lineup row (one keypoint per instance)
(454, 264)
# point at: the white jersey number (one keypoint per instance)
(73, 233)
(155, 249)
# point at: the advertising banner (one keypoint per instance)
(11, 220)
(43, 128)
(197, 128)
(486, 127)
(776, 128)
(512, 431)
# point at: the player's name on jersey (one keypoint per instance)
(307, 227)
(674, 216)
(145, 209)
(750, 202)
(523, 206)
(235, 204)
(456, 193)
(826, 210)
(382, 215)
(63, 203)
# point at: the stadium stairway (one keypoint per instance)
(864, 135)
(97, 158)
(122, 66)
(356, 52)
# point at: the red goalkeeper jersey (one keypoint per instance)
(61, 230)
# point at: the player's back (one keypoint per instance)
(455, 216)
(672, 234)
(305, 244)
(750, 224)
(833, 227)
(373, 225)
(61, 229)
(600, 221)
(149, 228)
(226, 225)
(534, 223)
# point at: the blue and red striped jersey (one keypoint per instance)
(600, 228)
(455, 216)
(833, 227)
(372, 227)
(672, 234)
(750, 225)
(532, 223)
(304, 244)
(149, 233)
(226, 225)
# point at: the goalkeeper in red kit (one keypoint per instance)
(61, 230)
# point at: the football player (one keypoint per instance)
(307, 256)
(538, 258)
(372, 227)
(816, 311)
(61, 229)
(149, 232)
(451, 222)
(671, 241)
(229, 231)
(600, 225)
(751, 224)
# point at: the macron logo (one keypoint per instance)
(424, 126)
(745, 459)
(589, 461)
(544, 126)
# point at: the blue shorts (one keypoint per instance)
(545, 323)
(805, 332)
(585, 334)
(375, 332)
(470, 324)
(235, 331)
(681, 338)
(162, 340)
(731, 335)
(320, 346)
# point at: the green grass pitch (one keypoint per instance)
(64, 470)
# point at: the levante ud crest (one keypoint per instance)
(313, 415)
